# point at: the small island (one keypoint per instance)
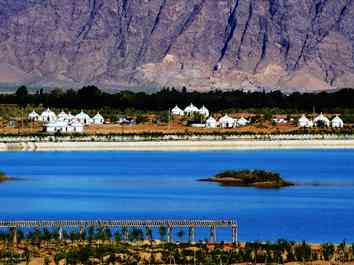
(3, 177)
(249, 178)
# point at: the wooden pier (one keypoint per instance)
(191, 225)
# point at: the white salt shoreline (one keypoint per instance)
(178, 145)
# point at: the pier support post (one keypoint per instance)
(234, 233)
(169, 234)
(60, 231)
(191, 234)
(81, 232)
(213, 234)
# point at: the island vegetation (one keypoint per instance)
(250, 178)
(3, 177)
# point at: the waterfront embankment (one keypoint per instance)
(181, 145)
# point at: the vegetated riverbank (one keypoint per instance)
(175, 145)
(249, 178)
(102, 250)
(3, 177)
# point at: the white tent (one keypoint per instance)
(177, 111)
(303, 122)
(337, 122)
(63, 116)
(71, 117)
(204, 111)
(48, 116)
(242, 122)
(98, 119)
(83, 118)
(226, 122)
(191, 109)
(211, 123)
(321, 119)
(33, 116)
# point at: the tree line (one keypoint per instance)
(91, 97)
(102, 246)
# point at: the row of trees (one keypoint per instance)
(113, 252)
(91, 97)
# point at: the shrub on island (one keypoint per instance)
(3, 176)
(249, 178)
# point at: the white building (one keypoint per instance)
(98, 119)
(226, 122)
(304, 122)
(242, 122)
(191, 109)
(321, 120)
(57, 127)
(280, 119)
(204, 111)
(64, 127)
(211, 123)
(83, 118)
(76, 127)
(177, 111)
(33, 116)
(337, 122)
(47, 116)
(71, 117)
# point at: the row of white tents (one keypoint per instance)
(190, 110)
(320, 120)
(49, 116)
(65, 122)
(226, 122)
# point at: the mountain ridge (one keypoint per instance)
(305, 45)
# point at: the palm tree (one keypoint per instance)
(117, 236)
(27, 255)
(148, 233)
(90, 234)
(163, 232)
(180, 235)
(125, 233)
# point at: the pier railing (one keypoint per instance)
(13, 225)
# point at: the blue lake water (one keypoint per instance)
(164, 185)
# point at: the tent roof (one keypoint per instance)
(33, 113)
(337, 119)
(98, 116)
(226, 118)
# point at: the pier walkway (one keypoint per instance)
(13, 225)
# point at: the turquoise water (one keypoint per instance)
(164, 185)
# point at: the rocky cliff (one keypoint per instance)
(288, 44)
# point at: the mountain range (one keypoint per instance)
(291, 45)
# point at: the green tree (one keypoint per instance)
(163, 232)
(117, 236)
(327, 251)
(303, 252)
(180, 235)
(148, 232)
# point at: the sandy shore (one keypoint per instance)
(178, 145)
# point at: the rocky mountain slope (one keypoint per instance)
(287, 44)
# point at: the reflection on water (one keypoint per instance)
(164, 185)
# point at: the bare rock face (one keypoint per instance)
(202, 44)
